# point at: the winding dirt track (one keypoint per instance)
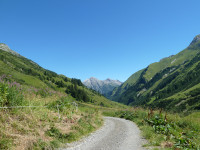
(116, 134)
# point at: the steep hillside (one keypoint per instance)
(30, 74)
(102, 86)
(123, 87)
(40, 109)
(171, 83)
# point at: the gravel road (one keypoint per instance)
(116, 134)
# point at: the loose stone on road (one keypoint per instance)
(116, 134)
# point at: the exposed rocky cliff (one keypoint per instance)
(102, 86)
(7, 49)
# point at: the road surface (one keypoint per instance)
(116, 134)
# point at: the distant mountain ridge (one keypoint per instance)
(102, 86)
(172, 83)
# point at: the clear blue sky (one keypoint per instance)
(99, 38)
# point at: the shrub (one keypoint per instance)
(173, 130)
(10, 93)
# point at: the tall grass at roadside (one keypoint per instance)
(55, 120)
(10, 93)
(84, 121)
(44, 127)
(164, 130)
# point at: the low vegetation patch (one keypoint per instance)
(45, 127)
(166, 131)
(10, 93)
(33, 118)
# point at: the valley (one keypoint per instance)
(40, 109)
(99, 75)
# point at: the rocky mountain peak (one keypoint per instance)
(102, 86)
(5, 47)
(108, 79)
(196, 40)
(93, 78)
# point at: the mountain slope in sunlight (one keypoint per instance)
(172, 83)
(30, 74)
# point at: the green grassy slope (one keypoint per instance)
(167, 84)
(152, 69)
(121, 89)
(30, 74)
(43, 110)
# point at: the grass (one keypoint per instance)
(179, 58)
(44, 128)
(162, 130)
(58, 121)
(55, 122)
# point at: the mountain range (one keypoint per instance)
(173, 83)
(102, 86)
